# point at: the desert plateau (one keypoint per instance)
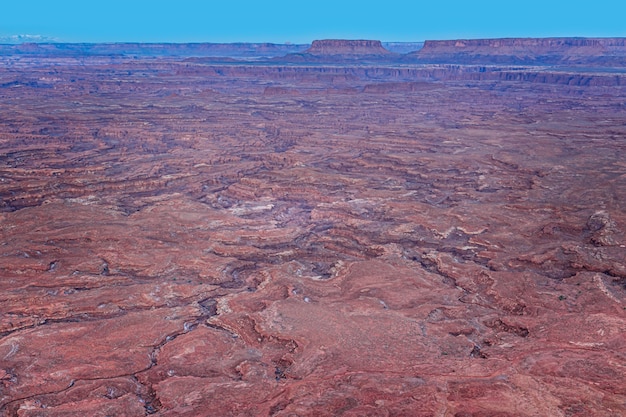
(341, 228)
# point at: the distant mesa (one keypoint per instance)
(346, 47)
(540, 51)
(571, 52)
(342, 50)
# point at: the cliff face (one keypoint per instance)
(534, 45)
(346, 47)
(610, 51)
(319, 75)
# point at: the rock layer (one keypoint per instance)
(183, 239)
(542, 51)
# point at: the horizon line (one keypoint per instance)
(40, 39)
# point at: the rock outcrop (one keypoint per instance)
(339, 50)
(534, 51)
(346, 47)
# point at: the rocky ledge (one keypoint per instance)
(330, 51)
(546, 51)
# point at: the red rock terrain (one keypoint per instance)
(541, 51)
(184, 239)
(333, 51)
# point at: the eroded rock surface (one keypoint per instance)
(528, 51)
(182, 239)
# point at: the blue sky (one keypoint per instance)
(301, 22)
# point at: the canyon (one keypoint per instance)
(314, 230)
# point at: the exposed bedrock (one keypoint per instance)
(329, 51)
(184, 239)
(540, 51)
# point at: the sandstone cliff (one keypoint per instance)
(598, 51)
(337, 50)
